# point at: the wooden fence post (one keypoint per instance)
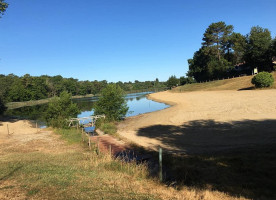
(36, 127)
(89, 142)
(160, 165)
(8, 129)
(98, 146)
(110, 150)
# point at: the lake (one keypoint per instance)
(137, 103)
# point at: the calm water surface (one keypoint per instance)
(137, 103)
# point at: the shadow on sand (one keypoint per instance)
(238, 158)
(7, 119)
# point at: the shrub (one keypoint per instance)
(263, 79)
(59, 110)
(111, 103)
(172, 81)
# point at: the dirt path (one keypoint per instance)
(107, 141)
(206, 121)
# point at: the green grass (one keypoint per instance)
(72, 175)
(108, 128)
(72, 136)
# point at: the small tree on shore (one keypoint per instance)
(112, 103)
(60, 109)
(172, 81)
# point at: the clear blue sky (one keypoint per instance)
(116, 40)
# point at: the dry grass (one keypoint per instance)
(239, 83)
(33, 169)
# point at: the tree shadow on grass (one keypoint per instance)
(238, 158)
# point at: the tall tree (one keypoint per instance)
(258, 49)
(216, 37)
(198, 65)
(274, 47)
(238, 45)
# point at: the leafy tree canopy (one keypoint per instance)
(112, 103)
(222, 49)
(258, 46)
(172, 81)
(2, 106)
(217, 36)
(60, 109)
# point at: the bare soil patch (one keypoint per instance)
(25, 137)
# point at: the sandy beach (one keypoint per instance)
(206, 121)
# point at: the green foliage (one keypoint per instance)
(17, 92)
(59, 110)
(274, 47)
(222, 49)
(186, 80)
(3, 108)
(27, 87)
(263, 79)
(258, 49)
(172, 81)
(112, 103)
(238, 45)
(217, 68)
(3, 6)
(217, 36)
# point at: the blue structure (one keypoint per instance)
(90, 129)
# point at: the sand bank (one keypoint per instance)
(205, 121)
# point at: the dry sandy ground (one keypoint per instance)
(25, 137)
(206, 121)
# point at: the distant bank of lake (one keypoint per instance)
(137, 103)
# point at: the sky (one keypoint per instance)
(117, 40)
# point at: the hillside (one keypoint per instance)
(239, 83)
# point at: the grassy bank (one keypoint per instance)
(14, 105)
(76, 173)
(72, 171)
(146, 90)
(239, 83)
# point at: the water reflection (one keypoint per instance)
(137, 103)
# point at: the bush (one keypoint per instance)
(111, 103)
(59, 110)
(172, 81)
(263, 79)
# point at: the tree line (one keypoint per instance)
(222, 49)
(15, 89)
